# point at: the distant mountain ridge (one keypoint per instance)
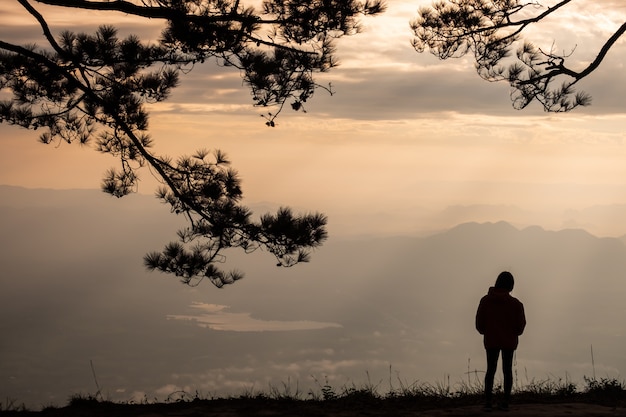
(432, 222)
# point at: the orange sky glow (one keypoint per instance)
(421, 146)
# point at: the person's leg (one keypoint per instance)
(507, 371)
(492, 366)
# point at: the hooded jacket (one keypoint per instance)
(500, 319)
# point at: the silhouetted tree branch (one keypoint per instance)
(94, 88)
(490, 29)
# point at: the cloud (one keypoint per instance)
(217, 317)
(380, 76)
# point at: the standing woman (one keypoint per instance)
(500, 319)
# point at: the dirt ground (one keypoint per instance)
(300, 409)
(531, 410)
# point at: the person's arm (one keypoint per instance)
(521, 319)
(480, 318)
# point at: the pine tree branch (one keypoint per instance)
(152, 12)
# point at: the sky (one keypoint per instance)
(404, 131)
(407, 146)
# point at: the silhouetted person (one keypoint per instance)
(500, 319)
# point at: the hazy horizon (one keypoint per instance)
(389, 308)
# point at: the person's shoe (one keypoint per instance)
(503, 406)
(487, 407)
